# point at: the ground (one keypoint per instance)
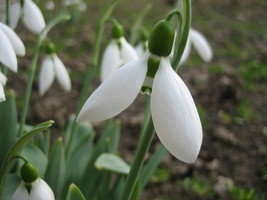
(230, 93)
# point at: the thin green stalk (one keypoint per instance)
(32, 70)
(182, 40)
(17, 147)
(148, 130)
(137, 164)
(91, 72)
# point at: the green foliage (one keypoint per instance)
(160, 175)
(74, 193)
(239, 193)
(198, 186)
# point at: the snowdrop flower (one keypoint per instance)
(30, 13)
(10, 45)
(117, 53)
(201, 44)
(32, 187)
(3, 80)
(80, 3)
(141, 47)
(173, 110)
(51, 68)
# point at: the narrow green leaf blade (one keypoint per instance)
(74, 193)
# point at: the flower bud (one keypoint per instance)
(117, 30)
(50, 48)
(161, 39)
(28, 173)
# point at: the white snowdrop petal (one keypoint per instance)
(14, 39)
(111, 60)
(128, 51)
(21, 193)
(187, 51)
(41, 191)
(2, 93)
(33, 18)
(3, 79)
(47, 75)
(62, 74)
(174, 114)
(15, 13)
(202, 45)
(116, 93)
(7, 53)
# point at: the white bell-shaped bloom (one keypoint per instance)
(10, 45)
(174, 113)
(51, 68)
(31, 15)
(200, 43)
(141, 48)
(80, 3)
(40, 190)
(117, 53)
(3, 80)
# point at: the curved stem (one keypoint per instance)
(17, 147)
(182, 40)
(20, 157)
(32, 70)
(173, 14)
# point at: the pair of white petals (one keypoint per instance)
(10, 46)
(201, 45)
(31, 15)
(3, 80)
(115, 56)
(51, 68)
(39, 191)
(174, 113)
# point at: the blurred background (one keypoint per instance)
(230, 93)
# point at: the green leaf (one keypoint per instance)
(11, 184)
(113, 163)
(55, 171)
(8, 122)
(136, 191)
(152, 165)
(43, 142)
(17, 147)
(36, 156)
(74, 193)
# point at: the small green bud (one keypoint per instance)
(117, 31)
(50, 48)
(161, 39)
(28, 172)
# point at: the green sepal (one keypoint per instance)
(74, 193)
(50, 48)
(28, 172)
(117, 30)
(161, 39)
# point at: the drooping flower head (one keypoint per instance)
(141, 47)
(30, 14)
(32, 187)
(52, 67)
(173, 110)
(117, 53)
(10, 46)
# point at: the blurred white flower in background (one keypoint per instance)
(10, 46)
(50, 5)
(117, 53)
(39, 191)
(51, 68)
(141, 48)
(31, 15)
(3, 80)
(200, 43)
(80, 3)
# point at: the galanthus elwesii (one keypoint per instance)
(10, 46)
(141, 47)
(117, 53)
(3, 80)
(32, 187)
(30, 13)
(173, 110)
(200, 43)
(52, 67)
